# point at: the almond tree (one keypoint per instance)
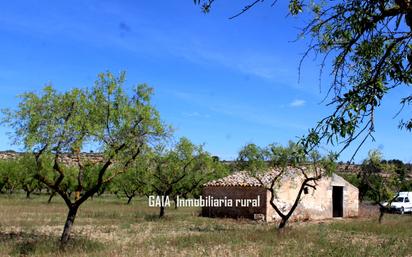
(288, 161)
(134, 182)
(3, 175)
(181, 170)
(9, 180)
(364, 50)
(381, 180)
(117, 124)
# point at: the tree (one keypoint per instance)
(204, 169)
(400, 169)
(253, 158)
(381, 180)
(25, 175)
(290, 161)
(367, 47)
(9, 180)
(3, 176)
(134, 182)
(181, 170)
(52, 124)
(16, 174)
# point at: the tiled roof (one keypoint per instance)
(242, 178)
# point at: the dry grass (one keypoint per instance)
(106, 226)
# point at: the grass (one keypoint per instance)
(106, 226)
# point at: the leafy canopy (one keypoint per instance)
(104, 117)
(366, 48)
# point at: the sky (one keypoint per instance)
(219, 82)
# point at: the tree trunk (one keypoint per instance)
(28, 192)
(2, 186)
(100, 192)
(282, 223)
(381, 213)
(162, 211)
(51, 197)
(68, 225)
(129, 199)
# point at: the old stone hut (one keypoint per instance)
(333, 197)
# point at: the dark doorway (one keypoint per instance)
(337, 201)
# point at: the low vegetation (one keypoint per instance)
(109, 227)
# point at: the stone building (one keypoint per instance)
(333, 197)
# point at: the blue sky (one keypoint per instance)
(217, 81)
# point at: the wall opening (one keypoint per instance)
(337, 201)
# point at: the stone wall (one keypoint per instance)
(66, 159)
(315, 205)
(235, 192)
(9, 155)
(350, 196)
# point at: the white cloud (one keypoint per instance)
(297, 103)
(241, 111)
(195, 115)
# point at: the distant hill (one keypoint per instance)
(69, 159)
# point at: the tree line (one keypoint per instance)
(137, 148)
(140, 156)
(178, 170)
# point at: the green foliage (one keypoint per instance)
(368, 46)
(53, 124)
(365, 48)
(257, 160)
(18, 174)
(9, 180)
(292, 161)
(25, 174)
(400, 169)
(134, 182)
(406, 186)
(351, 178)
(291, 155)
(295, 7)
(252, 158)
(183, 169)
(379, 180)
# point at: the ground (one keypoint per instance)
(106, 226)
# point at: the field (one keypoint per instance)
(106, 226)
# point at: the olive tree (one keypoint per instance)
(118, 124)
